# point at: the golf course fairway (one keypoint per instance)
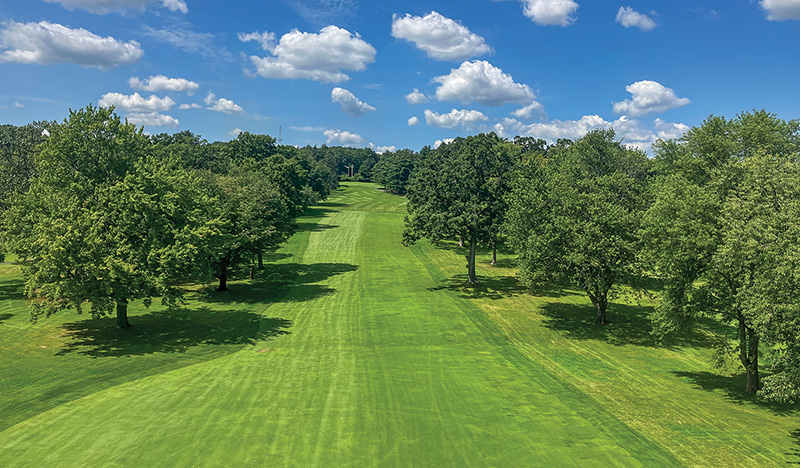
(351, 350)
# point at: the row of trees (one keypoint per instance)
(712, 216)
(98, 212)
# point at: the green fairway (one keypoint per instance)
(352, 350)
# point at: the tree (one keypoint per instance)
(102, 222)
(458, 190)
(574, 216)
(394, 170)
(720, 234)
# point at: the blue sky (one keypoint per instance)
(401, 74)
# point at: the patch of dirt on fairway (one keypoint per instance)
(265, 350)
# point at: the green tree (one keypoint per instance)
(459, 189)
(394, 170)
(574, 216)
(720, 191)
(102, 222)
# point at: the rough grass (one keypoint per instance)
(351, 350)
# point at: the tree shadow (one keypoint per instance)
(732, 386)
(12, 289)
(4, 317)
(493, 287)
(316, 212)
(794, 452)
(628, 325)
(313, 227)
(275, 256)
(282, 282)
(170, 331)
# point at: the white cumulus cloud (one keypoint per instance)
(668, 130)
(160, 83)
(415, 97)
(383, 149)
(648, 97)
(318, 57)
(350, 103)
(225, 106)
(103, 7)
(343, 138)
(440, 37)
(47, 43)
(413, 121)
(152, 119)
(532, 110)
(631, 18)
(190, 106)
(550, 12)
(439, 143)
(455, 118)
(781, 10)
(480, 81)
(266, 39)
(235, 132)
(136, 102)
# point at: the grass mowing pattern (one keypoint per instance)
(352, 350)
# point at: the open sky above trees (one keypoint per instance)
(400, 74)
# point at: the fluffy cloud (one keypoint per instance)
(190, 106)
(413, 121)
(350, 104)
(135, 102)
(533, 110)
(630, 131)
(225, 106)
(669, 131)
(160, 83)
(343, 138)
(382, 149)
(46, 43)
(103, 7)
(415, 97)
(440, 37)
(235, 132)
(266, 39)
(781, 10)
(630, 18)
(152, 119)
(648, 97)
(550, 12)
(482, 82)
(318, 57)
(439, 143)
(464, 118)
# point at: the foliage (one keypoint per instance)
(574, 215)
(459, 190)
(394, 169)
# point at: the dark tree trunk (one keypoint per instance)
(252, 271)
(122, 314)
(600, 302)
(494, 253)
(748, 354)
(223, 276)
(472, 278)
(260, 259)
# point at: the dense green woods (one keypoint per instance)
(100, 215)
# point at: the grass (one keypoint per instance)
(352, 350)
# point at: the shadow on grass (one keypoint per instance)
(628, 325)
(276, 282)
(4, 317)
(313, 227)
(12, 289)
(733, 388)
(275, 256)
(794, 452)
(170, 332)
(495, 287)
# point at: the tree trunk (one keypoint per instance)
(472, 278)
(600, 307)
(223, 276)
(494, 253)
(460, 241)
(122, 314)
(252, 271)
(748, 354)
(260, 259)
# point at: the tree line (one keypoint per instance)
(712, 217)
(101, 214)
